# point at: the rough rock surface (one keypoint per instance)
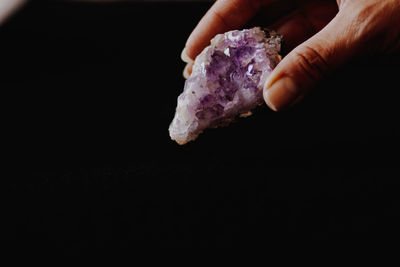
(226, 81)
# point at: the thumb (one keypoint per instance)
(307, 65)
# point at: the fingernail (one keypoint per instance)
(186, 73)
(185, 57)
(188, 70)
(281, 93)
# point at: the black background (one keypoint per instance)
(88, 92)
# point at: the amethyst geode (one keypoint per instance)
(226, 81)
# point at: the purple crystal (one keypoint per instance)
(226, 81)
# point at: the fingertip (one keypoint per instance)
(184, 56)
(281, 94)
(270, 80)
(266, 91)
(187, 71)
(268, 101)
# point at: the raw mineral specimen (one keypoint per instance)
(226, 81)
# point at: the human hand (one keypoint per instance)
(324, 35)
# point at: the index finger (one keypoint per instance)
(223, 16)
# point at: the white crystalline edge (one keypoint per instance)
(184, 128)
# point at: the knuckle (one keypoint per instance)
(312, 63)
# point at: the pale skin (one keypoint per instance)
(321, 35)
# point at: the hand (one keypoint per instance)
(324, 34)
